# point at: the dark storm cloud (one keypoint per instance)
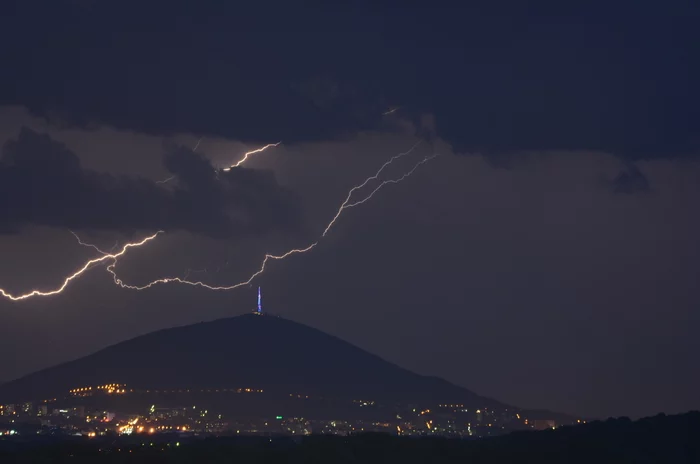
(630, 180)
(499, 77)
(42, 183)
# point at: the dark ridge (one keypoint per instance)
(266, 352)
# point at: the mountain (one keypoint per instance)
(265, 352)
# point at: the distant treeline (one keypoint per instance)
(659, 439)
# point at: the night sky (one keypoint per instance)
(549, 257)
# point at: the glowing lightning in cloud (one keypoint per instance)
(241, 161)
(85, 267)
(345, 205)
(252, 152)
(165, 180)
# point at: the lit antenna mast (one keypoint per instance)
(259, 301)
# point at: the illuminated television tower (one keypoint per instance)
(259, 302)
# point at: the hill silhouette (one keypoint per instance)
(266, 352)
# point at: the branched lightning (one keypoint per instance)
(167, 280)
(345, 205)
(251, 152)
(89, 245)
(85, 267)
(358, 187)
(94, 247)
(391, 181)
(112, 258)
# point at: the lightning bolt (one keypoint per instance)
(89, 245)
(343, 206)
(252, 152)
(84, 268)
(198, 142)
(241, 161)
(165, 180)
(114, 257)
(270, 257)
(391, 181)
(167, 280)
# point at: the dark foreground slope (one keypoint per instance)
(265, 352)
(660, 439)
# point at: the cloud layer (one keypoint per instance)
(497, 76)
(43, 183)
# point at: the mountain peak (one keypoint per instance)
(250, 350)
